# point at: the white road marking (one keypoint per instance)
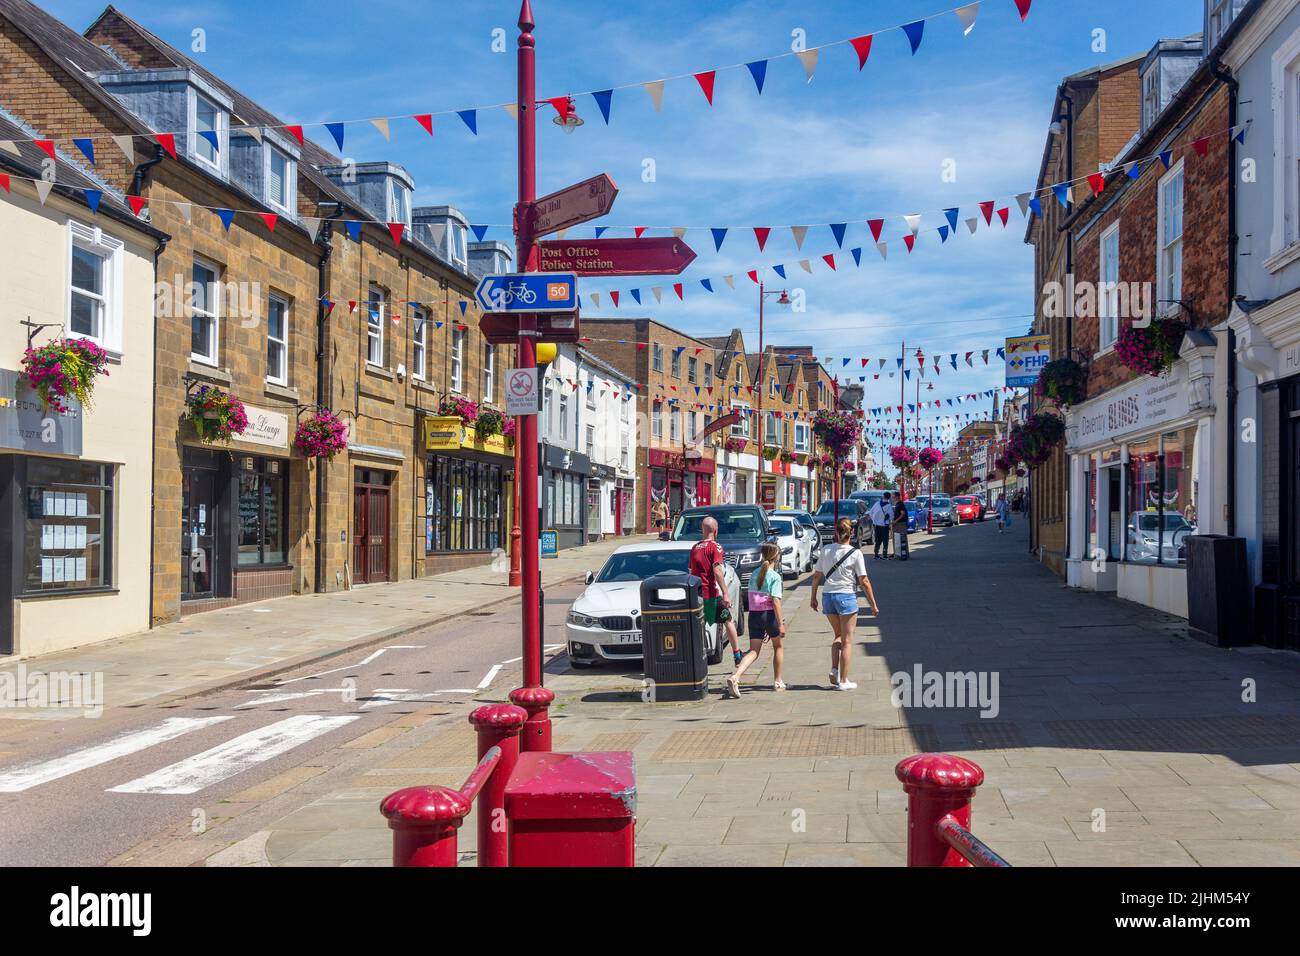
(234, 756)
(487, 680)
(30, 775)
(345, 667)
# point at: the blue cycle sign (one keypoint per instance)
(528, 292)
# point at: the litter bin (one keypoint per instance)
(1218, 590)
(672, 636)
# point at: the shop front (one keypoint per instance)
(602, 502)
(798, 489)
(736, 478)
(681, 481)
(625, 506)
(565, 477)
(236, 509)
(1140, 480)
(774, 485)
(467, 489)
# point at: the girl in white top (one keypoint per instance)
(841, 569)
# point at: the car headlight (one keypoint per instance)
(582, 620)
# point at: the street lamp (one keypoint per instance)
(762, 385)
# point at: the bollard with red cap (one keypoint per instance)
(937, 786)
(536, 735)
(424, 821)
(497, 725)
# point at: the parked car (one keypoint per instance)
(941, 506)
(912, 512)
(807, 526)
(604, 623)
(1145, 539)
(796, 548)
(742, 530)
(968, 508)
(855, 509)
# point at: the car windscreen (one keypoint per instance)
(639, 565)
(732, 526)
(964, 501)
(782, 526)
(848, 507)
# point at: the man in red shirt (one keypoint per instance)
(708, 564)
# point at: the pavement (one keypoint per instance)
(251, 642)
(1108, 735)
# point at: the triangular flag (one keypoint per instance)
(913, 222)
(707, 283)
(914, 32)
(718, 236)
(1023, 201)
(806, 266)
(253, 131)
(600, 231)
(943, 234)
(909, 241)
(43, 187)
(395, 230)
(296, 133)
(562, 107)
(677, 287)
(354, 230)
(1036, 207)
(87, 148)
(753, 276)
(967, 16)
(875, 225)
(1135, 171)
(137, 203)
(1166, 157)
(679, 231)
(829, 259)
(658, 293)
(758, 70)
(883, 249)
(185, 209)
(463, 306)
(656, 90)
(168, 142)
(212, 138)
(226, 216)
(705, 80)
(470, 119)
(862, 45)
(1004, 214)
(127, 145)
(837, 230)
(1098, 183)
(425, 120)
(595, 299)
(972, 224)
(479, 232)
(1023, 7)
(987, 209)
(1240, 133)
(4, 181)
(857, 256)
(382, 126)
(270, 219)
(312, 225)
(779, 270)
(809, 60)
(1064, 193)
(1202, 146)
(603, 100)
(799, 232)
(761, 234)
(46, 146)
(93, 199)
(336, 130)
(951, 215)
(730, 280)
(613, 297)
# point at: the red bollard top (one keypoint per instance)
(503, 717)
(939, 772)
(534, 696)
(427, 805)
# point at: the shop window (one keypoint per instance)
(263, 517)
(1162, 499)
(67, 537)
(463, 505)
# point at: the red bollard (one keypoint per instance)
(498, 725)
(424, 821)
(536, 735)
(937, 785)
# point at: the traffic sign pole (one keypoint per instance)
(525, 537)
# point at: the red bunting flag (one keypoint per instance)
(1023, 7)
(875, 225)
(270, 219)
(753, 276)
(706, 83)
(1004, 214)
(677, 287)
(987, 209)
(614, 298)
(1098, 183)
(296, 133)
(641, 345)
(638, 231)
(168, 142)
(352, 306)
(863, 47)
(563, 105)
(829, 259)
(909, 241)
(761, 234)
(47, 146)
(4, 181)
(425, 120)
(1202, 146)
(395, 229)
(137, 203)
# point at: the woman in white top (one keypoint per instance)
(841, 569)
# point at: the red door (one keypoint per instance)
(369, 534)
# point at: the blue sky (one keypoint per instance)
(849, 145)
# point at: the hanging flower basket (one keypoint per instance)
(903, 456)
(489, 423)
(65, 369)
(838, 432)
(735, 445)
(787, 457)
(850, 466)
(1032, 442)
(466, 411)
(217, 415)
(321, 435)
(770, 454)
(1064, 381)
(929, 457)
(1153, 349)
(509, 429)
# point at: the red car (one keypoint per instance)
(968, 508)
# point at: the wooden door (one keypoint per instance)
(370, 514)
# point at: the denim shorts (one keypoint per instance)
(839, 603)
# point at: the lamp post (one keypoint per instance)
(762, 385)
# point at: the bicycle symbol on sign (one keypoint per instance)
(512, 292)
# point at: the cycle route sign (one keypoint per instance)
(528, 292)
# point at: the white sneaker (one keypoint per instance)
(834, 675)
(846, 685)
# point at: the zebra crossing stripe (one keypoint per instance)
(26, 776)
(234, 756)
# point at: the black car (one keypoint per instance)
(855, 509)
(742, 532)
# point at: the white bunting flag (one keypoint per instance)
(809, 60)
(973, 224)
(595, 299)
(43, 187)
(8, 147)
(967, 16)
(883, 249)
(127, 145)
(185, 210)
(1023, 200)
(913, 222)
(382, 125)
(312, 226)
(658, 293)
(656, 91)
(799, 233)
(254, 131)
(730, 280)
(679, 231)
(806, 266)
(438, 234)
(561, 234)
(986, 356)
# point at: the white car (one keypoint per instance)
(796, 548)
(604, 623)
(807, 525)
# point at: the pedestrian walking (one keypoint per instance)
(881, 514)
(1003, 511)
(708, 563)
(899, 527)
(766, 621)
(659, 514)
(842, 568)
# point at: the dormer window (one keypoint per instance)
(399, 204)
(459, 248)
(207, 118)
(280, 171)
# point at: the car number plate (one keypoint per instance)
(633, 638)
